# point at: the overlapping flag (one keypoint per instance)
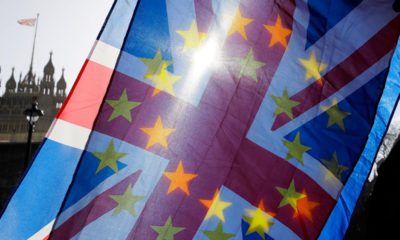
(215, 119)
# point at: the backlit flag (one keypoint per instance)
(28, 22)
(252, 119)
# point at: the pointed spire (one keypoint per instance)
(62, 84)
(11, 83)
(49, 68)
(12, 73)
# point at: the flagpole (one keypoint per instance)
(34, 41)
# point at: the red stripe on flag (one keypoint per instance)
(267, 172)
(362, 59)
(83, 103)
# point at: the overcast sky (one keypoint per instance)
(66, 27)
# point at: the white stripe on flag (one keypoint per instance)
(43, 233)
(104, 54)
(68, 134)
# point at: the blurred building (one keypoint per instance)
(18, 96)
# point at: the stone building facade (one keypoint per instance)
(18, 96)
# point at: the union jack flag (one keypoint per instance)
(215, 119)
(28, 22)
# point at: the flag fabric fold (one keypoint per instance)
(207, 119)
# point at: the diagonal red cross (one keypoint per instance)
(210, 138)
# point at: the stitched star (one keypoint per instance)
(155, 65)
(122, 107)
(164, 81)
(249, 66)
(109, 158)
(208, 202)
(179, 179)
(279, 33)
(238, 24)
(218, 233)
(158, 134)
(284, 104)
(192, 37)
(335, 115)
(217, 208)
(304, 207)
(296, 149)
(126, 201)
(334, 166)
(168, 231)
(313, 68)
(259, 221)
(290, 196)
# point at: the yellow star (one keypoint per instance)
(249, 66)
(217, 208)
(296, 149)
(109, 158)
(179, 179)
(155, 65)
(208, 202)
(284, 104)
(126, 201)
(122, 107)
(158, 134)
(304, 207)
(278, 33)
(290, 196)
(164, 81)
(238, 24)
(313, 68)
(167, 231)
(334, 167)
(336, 116)
(259, 221)
(192, 37)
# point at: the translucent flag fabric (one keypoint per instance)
(207, 119)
